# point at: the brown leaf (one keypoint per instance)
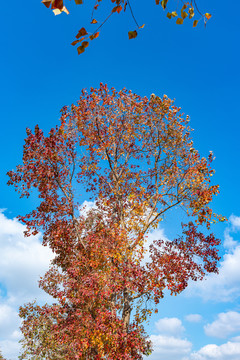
(195, 23)
(79, 2)
(157, 2)
(164, 4)
(132, 34)
(94, 36)
(117, 9)
(81, 32)
(80, 49)
(179, 21)
(85, 44)
(76, 41)
(47, 3)
(94, 21)
(57, 4)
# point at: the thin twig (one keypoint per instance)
(132, 13)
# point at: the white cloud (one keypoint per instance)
(227, 351)
(226, 324)
(86, 206)
(229, 242)
(10, 349)
(194, 318)
(225, 286)
(23, 260)
(235, 222)
(170, 326)
(169, 348)
(156, 234)
(222, 287)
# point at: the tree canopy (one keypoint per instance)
(135, 157)
(188, 9)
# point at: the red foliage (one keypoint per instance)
(135, 157)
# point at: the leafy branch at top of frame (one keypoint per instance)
(188, 9)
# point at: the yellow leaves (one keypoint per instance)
(172, 14)
(191, 12)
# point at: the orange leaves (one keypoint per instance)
(208, 16)
(117, 9)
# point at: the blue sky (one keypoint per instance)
(41, 72)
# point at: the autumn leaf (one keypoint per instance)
(79, 2)
(47, 3)
(94, 36)
(94, 21)
(117, 9)
(179, 21)
(208, 16)
(81, 32)
(184, 15)
(195, 23)
(132, 34)
(164, 4)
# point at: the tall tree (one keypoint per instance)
(136, 158)
(188, 9)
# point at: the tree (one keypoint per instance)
(187, 10)
(136, 158)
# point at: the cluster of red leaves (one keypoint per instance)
(136, 158)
